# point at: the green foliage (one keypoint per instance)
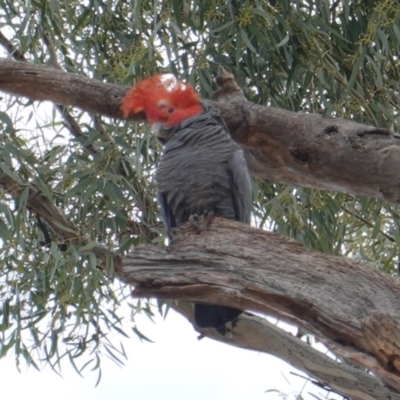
(339, 58)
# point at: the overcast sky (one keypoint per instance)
(176, 367)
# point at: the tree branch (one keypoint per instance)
(352, 308)
(11, 49)
(38, 82)
(75, 130)
(69, 121)
(310, 150)
(268, 338)
(56, 220)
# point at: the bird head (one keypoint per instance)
(165, 100)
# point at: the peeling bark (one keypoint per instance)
(256, 333)
(352, 308)
(310, 150)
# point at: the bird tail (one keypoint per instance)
(208, 316)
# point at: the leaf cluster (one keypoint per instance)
(338, 58)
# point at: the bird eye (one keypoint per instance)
(162, 104)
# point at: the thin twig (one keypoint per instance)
(368, 223)
(11, 49)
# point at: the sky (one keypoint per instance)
(177, 366)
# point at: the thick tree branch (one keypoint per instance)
(38, 82)
(75, 130)
(310, 150)
(55, 219)
(352, 308)
(264, 336)
(69, 121)
(256, 333)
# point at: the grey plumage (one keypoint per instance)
(203, 170)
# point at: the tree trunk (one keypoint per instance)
(310, 150)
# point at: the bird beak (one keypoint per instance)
(162, 133)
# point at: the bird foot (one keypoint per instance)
(174, 231)
(173, 235)
(194, 220)
(208, 217)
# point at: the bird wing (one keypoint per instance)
(241, 186)
(166, 214)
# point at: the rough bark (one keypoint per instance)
(310, 150)
(352, 308)
(251, 332)
(255, 333)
